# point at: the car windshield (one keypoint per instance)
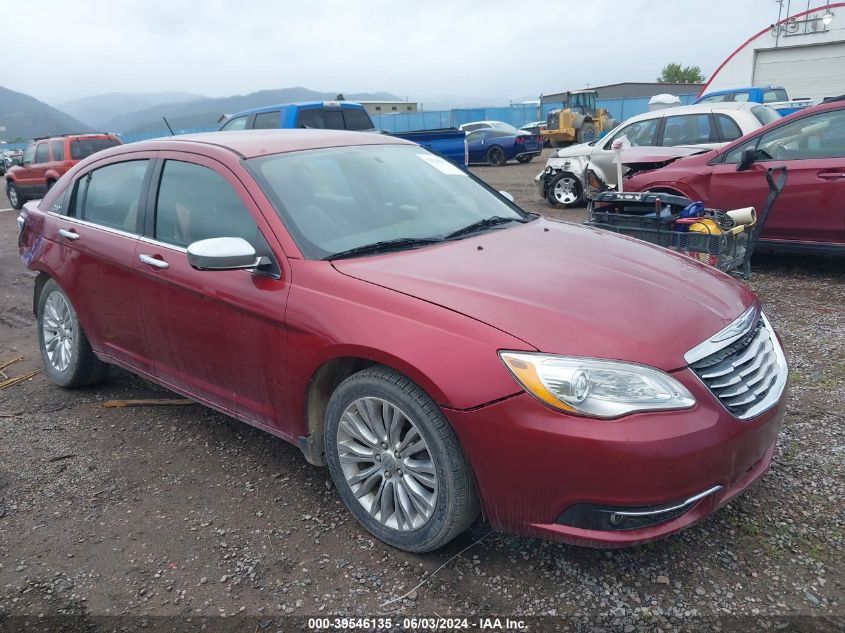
(335, 200)
(83, 148)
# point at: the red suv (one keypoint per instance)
(45, 160)
(409, 327)
(810, 211)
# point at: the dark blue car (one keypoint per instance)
(497, 146)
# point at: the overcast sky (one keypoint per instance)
(59, 50)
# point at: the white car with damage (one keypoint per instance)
(704, 126)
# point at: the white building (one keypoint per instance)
(804, 53)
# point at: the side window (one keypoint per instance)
(773, 96)
(58, 150)
(238, 123)
(640, 133)
(818, 136)
(728, 129)
(690, 129)
(196, 203)
(110, 195)
(472, 127)
(313, 118)
(267, 120)
(714, 99)
(741, 97)
(41, 153)
(473, 137)
(28, 155)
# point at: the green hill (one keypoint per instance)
(25, 117)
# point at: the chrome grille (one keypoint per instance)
(749, 374)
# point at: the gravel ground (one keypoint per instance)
(151, 514)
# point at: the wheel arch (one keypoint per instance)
(326, 378)
(40, 280)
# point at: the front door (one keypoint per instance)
(218, 335)
(811, 208)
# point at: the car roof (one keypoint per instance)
(253, 143)
(744, 89)
(698, 108)
(299, 104)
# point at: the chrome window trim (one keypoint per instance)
(94, 225)
(154, 242)
(724, 337)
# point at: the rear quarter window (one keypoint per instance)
(267, 120)
(83, 148)
(765, 114)
(728, 129)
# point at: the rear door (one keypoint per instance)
(97, 235)
(218, 335)
(811, 208)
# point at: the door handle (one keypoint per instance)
(153, 261)
(69, 234)
(831, 175)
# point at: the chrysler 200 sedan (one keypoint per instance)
(412, 329)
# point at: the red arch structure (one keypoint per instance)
(763, 32)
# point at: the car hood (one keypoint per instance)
(638, 155)
(573, 151)
(569, 289)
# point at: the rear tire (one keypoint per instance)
(14, 195)
(524, 159)
(65, 350)
(396, 462)
(496, 156)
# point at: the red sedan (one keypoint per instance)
(414, 330)
(809, 213)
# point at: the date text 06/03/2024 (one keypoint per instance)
(418, 624)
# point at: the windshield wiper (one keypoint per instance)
(482, 224)
(384, 246)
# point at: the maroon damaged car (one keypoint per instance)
(409, 327)
(809, 213)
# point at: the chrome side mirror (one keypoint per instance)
(223, 253)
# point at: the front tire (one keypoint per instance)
(65, 350)
(564, 190)
(586, 133)
(14, 195)
(397, 463)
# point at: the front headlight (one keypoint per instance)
(597, 388)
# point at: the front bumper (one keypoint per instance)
(532, 464)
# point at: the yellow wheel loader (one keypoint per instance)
(577, 121)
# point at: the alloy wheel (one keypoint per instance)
(57, 331)
(13, 196)
(387, 463)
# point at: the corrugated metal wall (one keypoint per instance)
(517, 115)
